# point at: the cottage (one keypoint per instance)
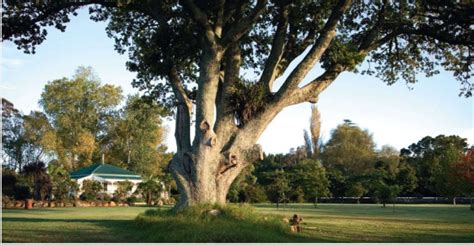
(107, 174)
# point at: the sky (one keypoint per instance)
(397, 115)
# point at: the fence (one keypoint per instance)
(412, 200)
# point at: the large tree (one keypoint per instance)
(194, 52)
(79, 109)
(350, 150)
(435, 162)
(134, 138)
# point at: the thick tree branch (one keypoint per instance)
(271, 66)
(322, 43)
(178, 88)
(202, 19)
(225, 126)
(242, 26)
(208, 82)
(219, 19)
(311, 91)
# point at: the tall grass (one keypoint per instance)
(234, 223)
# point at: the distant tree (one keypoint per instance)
(386, 193)
(135, 137)
(465, 171)
(13, 140)
(279, 188)
(350, 150)
(356, 190)
(406, 178)
(315, 129)
(311, 176)
(434, 160)
(39, 179)
(338, 183)
(308, 143)
(38, 135)
(150, 189)
(246, 189)
(349, 154)
(78, 109)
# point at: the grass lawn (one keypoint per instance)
(327, 223)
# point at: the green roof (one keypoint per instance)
(104, 171)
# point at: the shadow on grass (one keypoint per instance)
(152, 226)
(17, 229)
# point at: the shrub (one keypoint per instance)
(9, 180)
(123, 189)
(22, 192)
(63, 188)
(91, 189)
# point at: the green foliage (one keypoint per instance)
(91, 189)
(434, 160)
(385, 193)
(344, 53)
(150, 189)
(78, 109)
(246, 189)
(17, 148)
(123, 189)
(311, 176)
(350, 150)
(279, 188)
(135, 137)
(407, 179)
(356, 190)
(62, 185)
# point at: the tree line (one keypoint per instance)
(349, 165)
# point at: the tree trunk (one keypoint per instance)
(205, 177)
(454, 201)
(383, 205)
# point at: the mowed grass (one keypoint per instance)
(327, 223)
(372, 223)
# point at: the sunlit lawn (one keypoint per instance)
(371, 223)
(327, 223)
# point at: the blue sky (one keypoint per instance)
(394, 114)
